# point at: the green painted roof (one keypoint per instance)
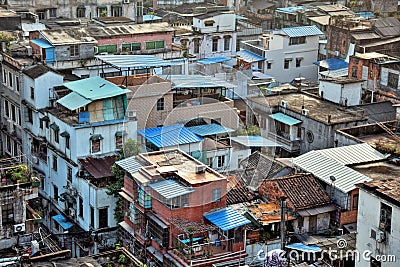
(73, 101)
(95, 88)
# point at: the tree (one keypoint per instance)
(5, 37)
(129, 148)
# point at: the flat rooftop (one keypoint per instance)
(182, 164)
(379, 170)
(318, 109)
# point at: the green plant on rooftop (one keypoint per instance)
(129, 148)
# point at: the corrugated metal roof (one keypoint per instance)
(335, 73)
(73, 101)
(285, 119)
(130, 165)
(170, 189)
(332, 63)
(365, 35)
(366, 14)
(125, 62)
(249, 56)
(302, 31)
(305, 248)
(168, 136)
(353, 154)
(209, 129)
(31, 27)
(227, 219)
(291, 10)
(95, 88)
(213, 60)
(98, 167)
(254, 141)
(193, 81)
(62, 221)
(148, 17)
(324, 167)
(42, 43)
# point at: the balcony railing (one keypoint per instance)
(290, 145)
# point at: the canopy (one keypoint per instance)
(227, 219)
(62, 221)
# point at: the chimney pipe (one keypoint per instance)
(283, 224)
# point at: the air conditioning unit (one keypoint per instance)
(131, 114)
(284, 103)
(18, 228)
(304, 112)
(377, 234)
(126, 1)
(201, 168)
(72, 212)
(35, 160)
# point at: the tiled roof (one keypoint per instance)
(388, 189)
(98, 167)
(36, 71)
(302, 191)
(239, 194)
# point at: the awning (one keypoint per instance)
(249, 56)
(209, 129)
(227, 219)
(254, 141)
(55, 127)
(62, 221)
(130, 165)
(96, 137)
(315, 211)
(42, 43)
(285, 119)
(44, 119)
(120, 133)
(64, 134)
(170, 189)
(73, 101)
(305, 248)
(156, 220)
(213, 60)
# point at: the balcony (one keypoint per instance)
(283, 139)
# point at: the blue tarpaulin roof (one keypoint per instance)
(227, 219)
(62, 221)
(254, 141)
(249, 56)
(212, 60)
(168, 136)
(209, 129)
(291, 9)
(285, 119)
(366, 14)
(305, 248)
(42, 43)
(302, 31)
(332, 63)
(170, 189)
(148, 17)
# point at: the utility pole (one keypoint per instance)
(283, 224)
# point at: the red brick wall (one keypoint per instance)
(353, 62)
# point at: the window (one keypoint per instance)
(6, 109)
(116, 11)
(29, 114)
(216, 195)
(69, 174)
(55, 163)
(393, 80)
(53, 12)
(176, 202)
(139, 9)
(103, 217)
(80, 12)
(221, 161)
(10, 79)
(269, 65)
(4, 77)
(80, 207)
(32, 91)
(227, 43)
(196, 44)
(158, 230)
(91, 216)
(7, 213)
(385, 222)
(17, 83)
(354, 71)
(297, 40)
(210, 162)
(55, 193)
(67, 142)
(107, 49)
(215, 44)
(144, 199)
(160, 104)
(155, 45)
(286, 63)
(298, 62)
(118, 142)
(129, 47)
(102, 11)
(355, 202)
(209, 23)
(74, 50)
(95, 146)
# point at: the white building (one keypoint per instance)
(343, 91)
(214, 34)
(285, 54)
(377, 229)
(71, 135)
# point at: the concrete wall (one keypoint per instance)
(222, 23)
(85, 51)
(368, 217)
(339, 93)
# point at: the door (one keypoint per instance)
(312, 224)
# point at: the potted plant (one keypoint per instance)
(19, 174)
